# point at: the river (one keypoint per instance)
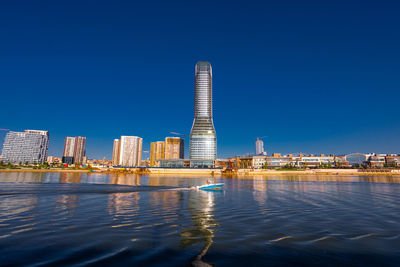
(80, 219)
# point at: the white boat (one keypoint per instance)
(210, 186)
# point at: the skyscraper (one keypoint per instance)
(74, 150)
(157, 152)
(203, 139)
(259, 147)
(174, 148)
(115, 155)
(28, 146)
(130, 153)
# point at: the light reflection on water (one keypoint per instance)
(108, 219)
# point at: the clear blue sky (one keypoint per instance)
(314, 76)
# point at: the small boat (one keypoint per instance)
(210, 186)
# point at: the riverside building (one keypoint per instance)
(203, 139)
(174, 148)
(29, 146)
(130, 154)
(156, 153)
(74, 150)
(115, 155)
(260, 147)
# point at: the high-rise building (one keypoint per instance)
(130, 153)
(29, 146)
(174, 148)
(157, 152)
(259, 147)
(203, 139)
(74, 150)
(116, 148)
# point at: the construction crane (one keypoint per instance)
(262, 137)
(175, 133)
(184, 137)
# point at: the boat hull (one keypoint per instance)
(210, 186)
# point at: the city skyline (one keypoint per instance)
(310, 81)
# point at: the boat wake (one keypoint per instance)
(55, 189)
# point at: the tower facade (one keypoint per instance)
(203, 139)
(130, 152)
(74, 150)
(29, 146)
(116, 148)
(259, 147)
(156, 152)
(174, 148)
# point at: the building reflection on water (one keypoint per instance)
(22, 177)
(121, 204)
(260, 190)
(18, 212)
(70, 177)
(166, 204)
(66, 205)
(201, 208)
(125, 179)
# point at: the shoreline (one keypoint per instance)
(42, 170)
(219, 172)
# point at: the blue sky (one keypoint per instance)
(313, 76)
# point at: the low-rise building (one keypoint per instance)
(341, 162)
(356, 159)
(377, 161)
(54, 160)
(277, 160)
(315, 161)
(186, 163)
(260, 161)
(393, 161)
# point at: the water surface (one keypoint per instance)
(96, 219)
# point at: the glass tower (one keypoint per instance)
(203, 139)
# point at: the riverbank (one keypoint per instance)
(339, 172)
(217, 172)
(43, 170)
(261, 172)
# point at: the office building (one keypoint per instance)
(393, 161)
(259, 147)
(29, 146)
(115, 155)
(174, 148)
(74, 150)
(203, 139)
(157, 152)
(130, 154)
